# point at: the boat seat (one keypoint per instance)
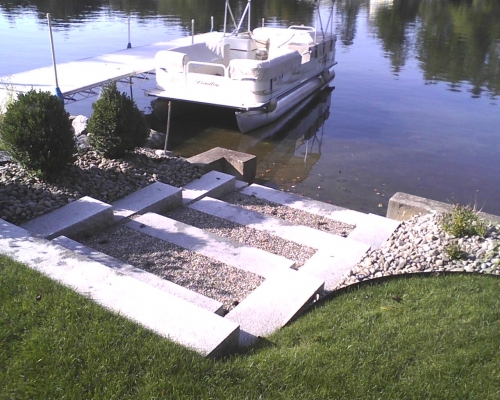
(265, 70)
(175, 60)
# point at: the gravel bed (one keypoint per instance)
(23, 197)
(200, 274)
(242, 234)
(419, 245)
(289, 214)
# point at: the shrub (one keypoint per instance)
(36, 132)
(116, 125)
(454, 251)
(463, 221)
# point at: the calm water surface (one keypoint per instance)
(415, 106)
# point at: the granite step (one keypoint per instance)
(269, 307)
(369, 228)
(214, 183)
(80, 217)
(221, 249)
(144, 276)
(167, 315)
(273, 304)
(303, 235)
(157, 197)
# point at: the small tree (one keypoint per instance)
(36, 132)
(116, 125)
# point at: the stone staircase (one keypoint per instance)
(50, 245)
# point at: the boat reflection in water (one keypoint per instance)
(287, 153)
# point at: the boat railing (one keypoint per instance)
(304, 28)
(212, 67)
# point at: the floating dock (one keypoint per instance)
(78, 79)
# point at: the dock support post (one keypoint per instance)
(168, 126)
(129, 44)
(57, 90)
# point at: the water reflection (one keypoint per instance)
(286, 150)
(454, 41)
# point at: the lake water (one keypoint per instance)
(415, 108)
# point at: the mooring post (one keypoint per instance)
(129, 44)
(168, 126)
(57, 90)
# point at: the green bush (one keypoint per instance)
(36, 132)
(116, 125)
(463, 221)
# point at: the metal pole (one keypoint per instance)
(129, 45)
(225, 18)
(57, 90)
(212, 23)
(192, 31)
(263, 22)
(168, 126)
(249, 10)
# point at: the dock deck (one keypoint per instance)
(81, 76)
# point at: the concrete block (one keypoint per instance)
(218, 248)
(374, 230)
(241, 165)
(403, 206)
(157, 197)
(163, 313)
(273, 304)
(215, 184)
(331, 266)
(144, 276)
(82, 216)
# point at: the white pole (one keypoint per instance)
(249, 10)
(192, 31)
(129, 45)
(225, 18)
(263, 22)
(212, 23)
(57, 90)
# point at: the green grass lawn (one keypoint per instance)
(413, 338)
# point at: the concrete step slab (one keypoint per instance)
(273, 304)
(214, 184)
(85, 215)
(332, 266)
(210, 245)
(163, 313)
(157, 197)
(302, 235)
(374, 230)
(144, 276)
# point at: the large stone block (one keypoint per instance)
(85, 215)
(241, 165)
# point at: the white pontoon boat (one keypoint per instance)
(261, 74)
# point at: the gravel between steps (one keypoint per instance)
(198, 273)
(242, 234)
(289, 214)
